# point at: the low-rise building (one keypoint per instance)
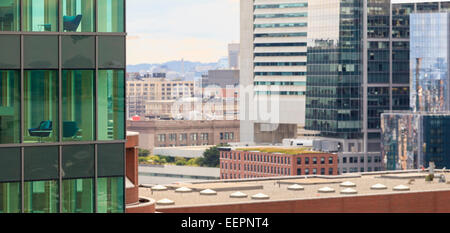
(172, 133)
(237, 163)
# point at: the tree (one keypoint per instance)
(211, 157)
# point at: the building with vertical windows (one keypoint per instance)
(243, 163)
(272, 69)
(413, 139)
(62, 106)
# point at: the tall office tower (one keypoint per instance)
(413, 139)
(233, 56)
(429, 62)
(354, 74)
(62, 106)
(272, 69)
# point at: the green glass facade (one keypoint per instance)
(62, 106)
(333, 86)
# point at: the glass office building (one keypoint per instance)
(334, 68)
(429, 61)
(62, 106)
(414, 139)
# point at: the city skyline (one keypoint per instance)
(157, 33)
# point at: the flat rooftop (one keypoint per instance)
(278, 149)
(277, 188)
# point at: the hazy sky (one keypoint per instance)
(165, 30)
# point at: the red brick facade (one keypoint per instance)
(244, 164)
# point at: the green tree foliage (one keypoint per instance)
(211, 157)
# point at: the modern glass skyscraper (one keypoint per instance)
(429, 62)
(62, 106)
(334, 93)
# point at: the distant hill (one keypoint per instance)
(171, 66)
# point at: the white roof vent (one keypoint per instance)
(165, 201)
(401, 188)
(260, 196)
(238, 195)
(296, 187)
(326, 190)
(378, 187)
(349, 191)
(183, 190)
(208, 192)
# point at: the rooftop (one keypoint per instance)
(283, 150)
(277, 188)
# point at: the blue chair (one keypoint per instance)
(70, 129)
(44, 129)
(71, 23)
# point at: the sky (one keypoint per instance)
(193, 30)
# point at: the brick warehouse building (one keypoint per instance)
(268, 162)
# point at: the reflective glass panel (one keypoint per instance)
(40, 15)
(10, 51)
(78, 161)
(110, 197)
(78, 16)
(10, 198)
(40, 106)
(78, 105)
(78, 196)
(9, 15)
(41, 197)
(110, 15)
(110, 160)
(9, 106)
(111, 105)
(40, 52)
(10, 165)
(111, 58)
(78, 52)
(41, 163)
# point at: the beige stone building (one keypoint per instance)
(139, 92)
(171, 133)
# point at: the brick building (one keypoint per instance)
(268, 162)
(171, 133)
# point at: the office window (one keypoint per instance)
(10, 198)
(314, 171)
(110, 197)
(299, 160)
(111, 105)
(41, 196)
(40, 52)
(41, 106)
(299, 171)
(306, 171)
(78, 196)
(10, 50)
(9, 106)
(110, 160)
(111, 58)
(78, 52)
(10, 15)
(330, 171)
(322, 160)
(306, 160)
(344, 160)
(40, 15)
(322, 171)
(330, 160)
(314, 160)
(110, 15)
(78, 105)
(78, 16)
